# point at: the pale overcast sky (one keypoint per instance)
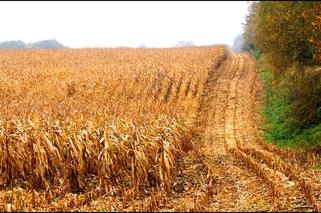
(111, 24)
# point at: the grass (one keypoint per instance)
(279, 126)
(305, 138)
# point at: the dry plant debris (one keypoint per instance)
(172, 129)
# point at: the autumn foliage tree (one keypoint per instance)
(288, 35)
(248, 44)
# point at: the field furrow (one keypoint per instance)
(173, 129)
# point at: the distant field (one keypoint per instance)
(118, 82)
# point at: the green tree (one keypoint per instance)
(249, 30)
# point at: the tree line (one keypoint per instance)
(286, 38)
(44, 44)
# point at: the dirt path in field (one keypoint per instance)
(236, 170)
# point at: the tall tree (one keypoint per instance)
(287, 34)
(249, 29)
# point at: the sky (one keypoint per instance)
(120, 23)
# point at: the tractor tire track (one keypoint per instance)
(289, 193)
(240, 185)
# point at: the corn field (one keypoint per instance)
(140, 130)
(109, 120)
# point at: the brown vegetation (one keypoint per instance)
(140, 129)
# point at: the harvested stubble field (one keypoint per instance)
(142, 130)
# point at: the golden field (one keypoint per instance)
(89, 122)
(125, 129)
